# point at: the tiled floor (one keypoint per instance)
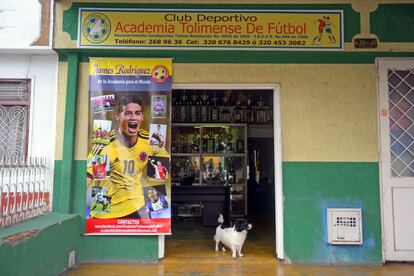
(188, 257)
(197, 257)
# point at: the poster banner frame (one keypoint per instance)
(314, 30)
(128, 184)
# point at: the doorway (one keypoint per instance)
(396, 111)
(262, 164)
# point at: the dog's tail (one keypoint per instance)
(220, 219)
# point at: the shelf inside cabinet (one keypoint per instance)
(225, 154)
(185, 154)
(211, 154)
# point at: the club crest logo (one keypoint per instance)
(143, 156)
(96, 28)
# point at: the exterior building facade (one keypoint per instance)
(28, 87)
(331, 115)
(28, 84)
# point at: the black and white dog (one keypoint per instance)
(232, 237)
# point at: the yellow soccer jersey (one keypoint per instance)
(127, 174)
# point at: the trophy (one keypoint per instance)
(221, 146)
(174, 148)
(225, 114)
(229, 143)
(210, 169)
(194, 145)
(183, 144)
(214, 116)
(220, 169)
(204, 108)
(183, 108)
(240, 142)
(210, 142)
(193, 108)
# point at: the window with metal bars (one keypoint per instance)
(14, 119)
(401, 115)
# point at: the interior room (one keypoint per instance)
(222, 162)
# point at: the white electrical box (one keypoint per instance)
(344, 226)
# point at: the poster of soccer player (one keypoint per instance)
(128, 183)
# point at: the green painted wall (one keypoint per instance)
(254, 57)
(44, 254)
(108, 248)
(309, 189)
(393, 22)
(63, 191)
(70, 194)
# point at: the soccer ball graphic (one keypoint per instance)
(96, 28)
(160, 74)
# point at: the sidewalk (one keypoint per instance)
(190, 257)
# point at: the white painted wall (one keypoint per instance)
(19, 23)
(42, 71)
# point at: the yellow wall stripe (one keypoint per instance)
(328, 110)
(61, 106)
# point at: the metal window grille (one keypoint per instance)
(14, 119)
(23, 190)
(401, 115)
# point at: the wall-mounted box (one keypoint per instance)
(344, 226)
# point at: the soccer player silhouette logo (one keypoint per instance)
(324, 24)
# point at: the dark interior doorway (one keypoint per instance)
(260, 184)
(259, 191)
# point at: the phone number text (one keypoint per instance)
(211, 42)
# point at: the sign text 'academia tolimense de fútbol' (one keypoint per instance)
(211, 29)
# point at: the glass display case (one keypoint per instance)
(212, 154)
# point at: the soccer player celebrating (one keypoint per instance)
(157, 205)
(128, 158)
(99, 170)
(161, 171)
(100, 199)
(157, 138)
(159, 107)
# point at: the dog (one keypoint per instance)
(232, 237)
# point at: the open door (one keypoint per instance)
(396, 111)
(274, 92)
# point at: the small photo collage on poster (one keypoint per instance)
(99, 167)
(156, 202)
(99, 200)
(158, 168)
(101, 132)
(158, 134)
(103, 103)
(159, 106)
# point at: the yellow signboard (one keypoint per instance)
(217, 29)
